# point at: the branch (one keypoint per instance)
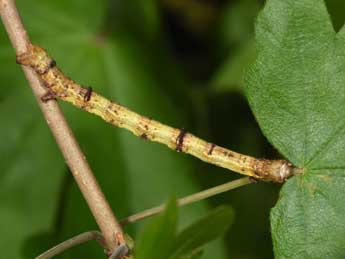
(72, 242)
(63, 135)
(188, 199)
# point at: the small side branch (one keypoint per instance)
(63, 135)
(72, 242)
(189, 199)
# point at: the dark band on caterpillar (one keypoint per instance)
(88, 94)
(49, 95)
(211, 149)
(52, 63)
(18, 61)
(179, 140)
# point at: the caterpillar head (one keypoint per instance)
(37, 58)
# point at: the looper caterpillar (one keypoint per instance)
(60, 86)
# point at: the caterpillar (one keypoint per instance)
(60, 86)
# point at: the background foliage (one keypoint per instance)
(180, 62)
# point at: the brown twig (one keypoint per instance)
(63, 135)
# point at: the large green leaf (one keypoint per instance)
(296, 90)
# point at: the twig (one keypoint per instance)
(60, 86)
(69, 147)
(72, 242)
(188, 199)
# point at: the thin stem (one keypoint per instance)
(72, 242)
(188, 199)
(63, 135)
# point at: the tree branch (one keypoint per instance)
(63, 135)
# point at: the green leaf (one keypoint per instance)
(157, 238)
(190, 240)
(296, 90)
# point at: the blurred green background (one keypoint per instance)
(178, 61)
